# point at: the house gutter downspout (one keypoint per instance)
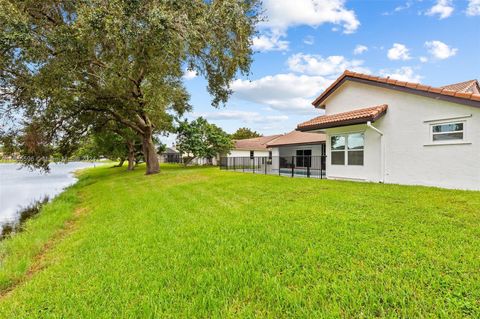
(382, 150)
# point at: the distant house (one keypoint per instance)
(384, 130)
(252, 147)
(171, 155)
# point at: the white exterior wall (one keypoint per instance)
(246, 153)
(275, 151)
(275, 158)
(372, 157)
(409, 155)
(292, 150)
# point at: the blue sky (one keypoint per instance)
(306, 44)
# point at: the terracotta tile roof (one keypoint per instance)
(417, 88)
(297, 137)
(256, 143)
(471, 86)
(346, 118)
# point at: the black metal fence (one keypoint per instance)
(294, 166)
(171, 158)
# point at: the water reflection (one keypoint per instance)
(20, 187)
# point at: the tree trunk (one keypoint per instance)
(149, 152)
(131, 155)
(122, 160)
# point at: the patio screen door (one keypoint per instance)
(303, 158)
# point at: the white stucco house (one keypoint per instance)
(384, 130)
(252, 147)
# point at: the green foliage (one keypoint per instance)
(205, 243)
(103, 144)
(244, 133)
(200, 139)
(8, 144)
(72, 65)
(161, 147)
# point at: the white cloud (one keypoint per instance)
(398, 52)
(271, 41)
(359, 49)
(189, 74)
(443, 8)
(473, 8)
(329, 66)
(276, 118)
(286, 92)
(309, 40)
(406, 6)
(229, 115)
(423, 59)
(292, 91)
(440, 50)
(404, 73)
(282, 14)
(243, 116)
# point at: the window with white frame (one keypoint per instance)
(355, 144)
(338, 150)
(347, 149)
(445, 132)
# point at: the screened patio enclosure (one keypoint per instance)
(293, 166)
(293, 161)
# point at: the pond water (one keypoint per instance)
(20, 187)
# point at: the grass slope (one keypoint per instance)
(204, 243)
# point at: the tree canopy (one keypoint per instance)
(244, 133)
(113, 142)
(200, 139)
(68, 66)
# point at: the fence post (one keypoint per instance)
(254, 164)
(265, 163)
(279, 165)
(322, 162)
(308, 171)
(293, 169)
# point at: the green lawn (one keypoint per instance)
(7, 161)
(203, 243)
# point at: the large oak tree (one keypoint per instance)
(64, 62)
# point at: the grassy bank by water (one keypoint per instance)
(7, 161)
(199, 242)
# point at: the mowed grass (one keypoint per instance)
(204, 243)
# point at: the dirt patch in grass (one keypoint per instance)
(39, 261)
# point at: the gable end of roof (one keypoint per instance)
(471, 86)
(466, 98)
